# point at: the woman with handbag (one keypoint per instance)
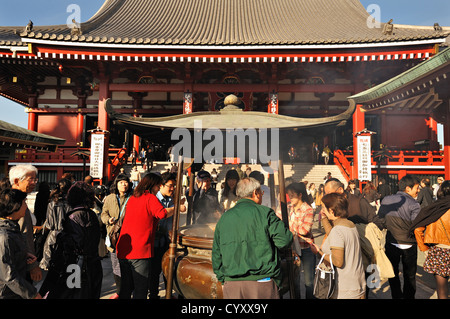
(432, 231)
(301, 217)
(113, 209)
(343, 247)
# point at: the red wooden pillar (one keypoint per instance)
(80, 126)
(432, 124)
(103, 95)
(32, 121)
(447, 143)
(136, 139)
(358, 126)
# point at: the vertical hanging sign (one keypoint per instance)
(97, 150)
(187, 103)
(364, 158)
(273, 103)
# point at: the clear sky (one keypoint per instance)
(49, 12)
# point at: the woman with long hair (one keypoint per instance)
(369, 206)
(56, 212)
(114, 209)
(301, 217)
(432, 231)
(137, 235)
(228, 197)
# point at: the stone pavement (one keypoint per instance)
(425, 282)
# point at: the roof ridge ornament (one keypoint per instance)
(437, 27)
(29, 27)
(388, 28)
(75, 28)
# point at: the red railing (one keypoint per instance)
(116, 156)
(415, 158)
(344, 163)
(344, 159)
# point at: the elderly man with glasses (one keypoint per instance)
(24, 178)
(245, 252)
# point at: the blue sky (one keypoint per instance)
(48, 12)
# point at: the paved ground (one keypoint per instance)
(425, 281)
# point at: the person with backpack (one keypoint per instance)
(114, 209)
(75, 258)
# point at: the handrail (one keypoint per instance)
(411, 158)
(62, 155)
(343, 163)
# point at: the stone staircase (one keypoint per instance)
(313, 173)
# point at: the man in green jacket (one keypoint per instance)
(247, 239)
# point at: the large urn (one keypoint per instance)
(193, 276)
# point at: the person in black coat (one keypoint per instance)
(14, 258)
(75, 258)
(383, 189)
(369, 205)
(206, 207)
(425, 196)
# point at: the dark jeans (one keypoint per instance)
(156, 271)
(135, 274)
(408, 258)
(308, 263)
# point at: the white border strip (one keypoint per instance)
(408, 167)
(48, 164)
(234, 47)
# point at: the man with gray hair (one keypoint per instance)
(24, 178)
(245, 252)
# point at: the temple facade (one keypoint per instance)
(161, 58)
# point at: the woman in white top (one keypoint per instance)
(228, 197)
(342, 243)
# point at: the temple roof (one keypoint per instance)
(10, 37)
(230, 117)
(219, 23)
(18, 137)
(414, 86)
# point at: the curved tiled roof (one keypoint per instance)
(231, 23)
(10, 37)
(403, 79)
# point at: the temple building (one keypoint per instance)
(156, 59)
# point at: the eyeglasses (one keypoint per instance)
(169, 185)
(31, 179)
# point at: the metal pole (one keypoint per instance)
(173, 243)
(189, 217)
(284, 215)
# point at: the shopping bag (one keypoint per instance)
(324, 280)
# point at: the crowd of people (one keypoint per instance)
(130, 223)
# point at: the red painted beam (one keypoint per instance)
(298, 88)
